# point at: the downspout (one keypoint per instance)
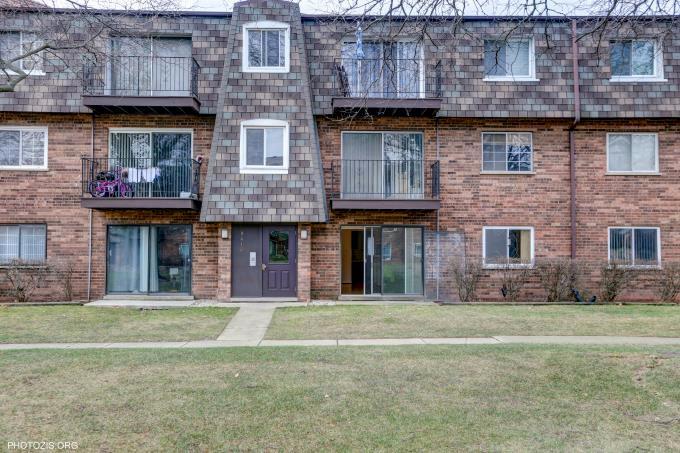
(436, 128)
(89, 244)
(572, 137)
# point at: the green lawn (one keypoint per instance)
(405, 321)
(86, 324)
(417, 398)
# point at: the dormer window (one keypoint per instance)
(636, 60)
(266, 47)
(14, 44)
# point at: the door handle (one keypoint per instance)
(264, 267)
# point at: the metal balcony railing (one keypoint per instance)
(387, 78)
(140, 178)
(142, 76)
(385, 179)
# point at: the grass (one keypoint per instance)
(86, 324)
(418, 398)
(405, 321)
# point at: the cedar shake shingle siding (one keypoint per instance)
(297, 196)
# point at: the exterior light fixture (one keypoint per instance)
(225, 233)
(303, 234)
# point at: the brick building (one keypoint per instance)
(263, 154)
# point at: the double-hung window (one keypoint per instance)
(264, 146)
(22, 242)
(503, 246)
(509, 59)
(636, 60)
(507, 152)
(266, 47)
(634, 246)
(632, 153)
(23, 148)
(14, 44)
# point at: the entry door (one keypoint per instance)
(264, 261)
(279, 261)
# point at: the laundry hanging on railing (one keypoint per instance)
(143, 174)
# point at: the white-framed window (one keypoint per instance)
(509, 59)
(632, 153)
(507, 152)
(503, 246)
(23, 242)
(635, 246)
(636, 60)
(266, 47)
(16, 43)
(264, 146)
(23, 148)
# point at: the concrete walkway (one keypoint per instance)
(249, 325)
(235, 337)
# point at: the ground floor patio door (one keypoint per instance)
(148, 259)
(264, 261)
(377, 260)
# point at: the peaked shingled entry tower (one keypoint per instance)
(297, 196)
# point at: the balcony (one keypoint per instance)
(387, 86)
(385, 184)
(139, 183)
(157, 85)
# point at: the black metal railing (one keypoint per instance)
(133, 177)
(387, 78)
(384, 179)
(141, 76)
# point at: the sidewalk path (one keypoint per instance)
(237, 336)
(249, 324)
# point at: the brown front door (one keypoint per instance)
(264, 261)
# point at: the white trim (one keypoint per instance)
(265, 25)
(507, 228)
(658, 75)
(531, 170)
(632, 172)
(264, 169)
(149, 130)
(20, 167)
(632, 245)
(531, 77)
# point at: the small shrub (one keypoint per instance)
(558, 277)
(64, 271)
(23, 279)
(514, 276)
(466, 275)
(668, 282)
(614, 278)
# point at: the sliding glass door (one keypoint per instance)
(392, 260)
(149, 259)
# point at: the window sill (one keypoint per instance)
(633, 173)
(511, 79)
(635, 267)
(20, 168)
(268, 70)
(509, 173)
(264, 171)
(24, 266)
(503, 266)
(636, 79)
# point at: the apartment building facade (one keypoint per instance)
(262, 154)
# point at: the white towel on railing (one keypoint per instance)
(143, 174)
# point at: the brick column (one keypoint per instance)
(224, 264)
(304, 256)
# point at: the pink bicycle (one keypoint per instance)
(111, 183)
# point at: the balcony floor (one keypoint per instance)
(388, 106)
(140, 203)
(143, 104)
(420, 204)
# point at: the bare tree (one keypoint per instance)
(36, 33)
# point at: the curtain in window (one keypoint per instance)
(172, 157)
(621, 245)
(403, 154)
(646, 247)
(620, 152)
(131, 67)
(643, 152)
(361, 166)
(9, 243)
(172, 66)
(33, 243)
